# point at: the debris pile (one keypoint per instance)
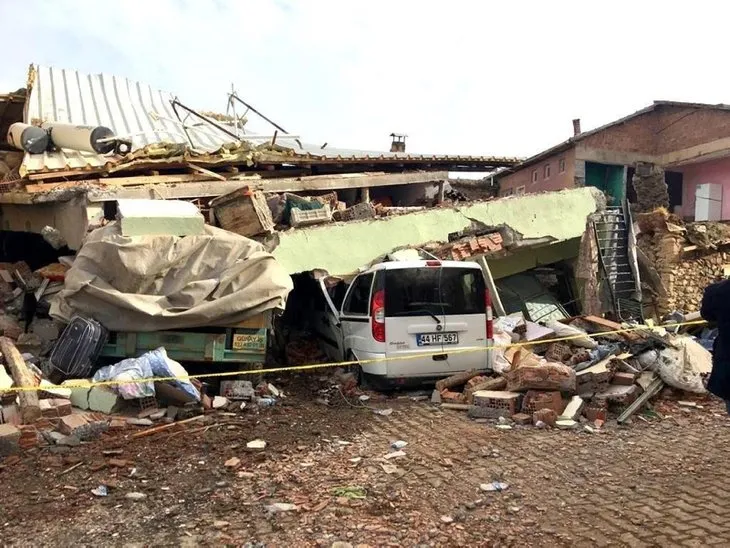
(582, 371)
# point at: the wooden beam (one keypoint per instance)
(209, 173)
(30, 410)
(297, 184)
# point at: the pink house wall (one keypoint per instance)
(716, 171)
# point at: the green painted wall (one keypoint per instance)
(608, 179)
(527, 259)
(342, 248)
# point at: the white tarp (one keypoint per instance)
(153, 283)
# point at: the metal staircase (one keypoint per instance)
(615, 238)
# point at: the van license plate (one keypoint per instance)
(430, 339)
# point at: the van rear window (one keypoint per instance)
(441, 291)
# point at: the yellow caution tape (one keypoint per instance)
(91, 384)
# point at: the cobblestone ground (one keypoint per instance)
(661, 482)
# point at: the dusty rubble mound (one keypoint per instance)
(576, 372)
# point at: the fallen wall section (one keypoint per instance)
(345, 247)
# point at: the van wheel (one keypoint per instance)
(356, 369)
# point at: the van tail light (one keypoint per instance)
(377, 316)
(433, 263)
(490, 319)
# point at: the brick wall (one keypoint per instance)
(636, 135)
(509, 184)
(665, 129)
(680, 128)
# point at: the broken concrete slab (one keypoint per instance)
(573, 410)
(620, 394)
(645, 379)
(103, 400)
(9, 439)
(219, 402)
(162, 217)
(532, 216)
(79, 396)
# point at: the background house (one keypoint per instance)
(689, 142)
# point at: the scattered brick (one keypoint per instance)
(522, 418)
(535, 400)
(625, 379)
(447, 396)
(548, 416)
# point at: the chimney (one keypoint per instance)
(398, 143)
(576, 127)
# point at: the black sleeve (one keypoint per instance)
(713, 302)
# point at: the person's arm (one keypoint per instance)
(710, 309)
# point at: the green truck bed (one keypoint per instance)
(243, 343)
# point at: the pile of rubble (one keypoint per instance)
(584, 370)
(58, 416)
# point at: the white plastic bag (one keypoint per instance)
(683, 367)
(502, 340)
(581, 340)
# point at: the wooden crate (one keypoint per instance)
(243, 212)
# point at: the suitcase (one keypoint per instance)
(77, 350)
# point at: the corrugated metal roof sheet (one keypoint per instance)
(146, 115)
(126, 107)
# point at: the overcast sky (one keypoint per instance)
(489, 77)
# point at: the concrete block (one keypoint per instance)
(79, 396)
(573, 410)
(71, 424)
(103, 400)
(9, 439)
(301, 217)
(171, 217)
(11, 414)
(618, 394)
(237, 390)
(522, 418)
(504, 404)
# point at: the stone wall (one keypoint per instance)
(684, 275)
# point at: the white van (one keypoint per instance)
(407, 320)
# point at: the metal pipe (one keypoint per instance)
(175, 103)
(28, 138)
(245, 104)
(84, 138)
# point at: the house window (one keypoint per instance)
(534, 175)
(546, 171)
(508, 191)
(561, 165)
(520, 190)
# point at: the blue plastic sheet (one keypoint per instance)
(149, 365)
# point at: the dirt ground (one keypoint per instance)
(657, 482)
